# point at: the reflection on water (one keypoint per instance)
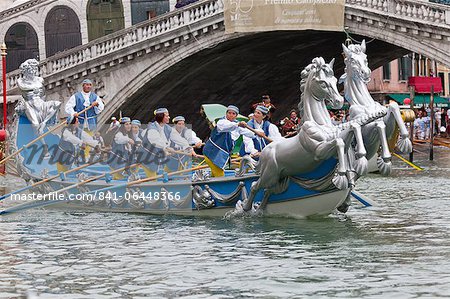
(399, 248)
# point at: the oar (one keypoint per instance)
(40, 137)
(254, 131)
(41, 203)
(47, 180)
(46, 203)
(367, 202)
(407, 162)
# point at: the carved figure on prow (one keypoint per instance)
(38, 111)
(362, 105)
(317, 140)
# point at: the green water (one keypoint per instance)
(398, 248)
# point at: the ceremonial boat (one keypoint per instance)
(310, 174)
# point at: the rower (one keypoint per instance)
(136, 135)
(159, 140)
(121, 147)
(83, 99)
(254, 146)
(220, 144)
(73, 141)
(186, 133)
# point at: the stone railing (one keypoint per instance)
(414, 10)
(19, 8)
(127, 37)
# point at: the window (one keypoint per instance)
(404, 68)
(387, 71)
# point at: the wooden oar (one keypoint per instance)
(40, 137)
(48, 179)
(254, 131)
(407, 162)
(367, 202)
(46, 203)
(41, 203)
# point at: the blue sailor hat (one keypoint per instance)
(233, 108)
(136, 122)
(178, 118)
(161, 110)
(87, 81)
(263, 109)
(125, 120)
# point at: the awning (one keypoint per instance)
(420, 99)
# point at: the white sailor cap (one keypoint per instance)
(178, 118)
(113, 118)
(125, 120)
(161, 110)
(233, 108)
(136, 122)
(87, 81)
(262, 109)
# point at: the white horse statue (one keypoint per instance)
(355, 78)
(318, 138)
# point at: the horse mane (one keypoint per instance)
(317, 64)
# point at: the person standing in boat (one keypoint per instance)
(254, 146)
(72, 142)
(80, 101)
(121, 147)
(158, 141)
(266, 103)
(218, 148)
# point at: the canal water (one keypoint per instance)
(398, 248)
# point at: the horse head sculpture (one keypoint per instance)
(356, 61)
(319, 84)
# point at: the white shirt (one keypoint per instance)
(120, 138)
(274, 134)
(67, 135)
(70, 105)
(158, 138)
(224, 125)
(190, 136)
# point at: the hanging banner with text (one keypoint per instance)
(269, 15)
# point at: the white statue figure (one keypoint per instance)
(356, 77)
(317, 140)
(38, 111)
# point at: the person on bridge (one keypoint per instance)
(254, 146)
(71, 145)
(83, 99)
(220, 144)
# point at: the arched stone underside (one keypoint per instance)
(239, 71)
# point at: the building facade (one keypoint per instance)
(392, 78)
(43, 28)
